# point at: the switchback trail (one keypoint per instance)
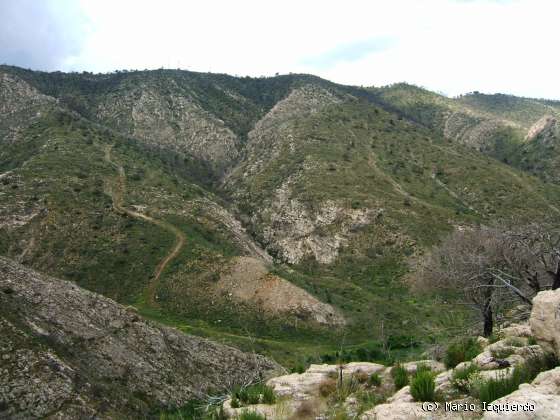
(117, 190)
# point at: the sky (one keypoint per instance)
(449, 46)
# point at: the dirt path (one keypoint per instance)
(117, 191)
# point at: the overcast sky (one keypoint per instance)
(451, 46)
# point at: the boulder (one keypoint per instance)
(544, 320)
(301, 386)
(401, 396)
(517, 330)
(436, 367)
(397, 411)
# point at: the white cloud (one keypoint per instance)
(451, 46)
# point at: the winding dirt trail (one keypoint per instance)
(117, 191)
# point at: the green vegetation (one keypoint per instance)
(422, 385)
(488, 390)
(400, 376)
(462, 378)
(253, 394)
(379, 155)
(194, 410)
(374, 379)
(251, 415)
(461, 351)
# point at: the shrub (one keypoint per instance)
(374, 379)
(462, 377)
(298, 368)
(423, 386)
(367, 400)
(400, 376)
(361, 377)
(531, 341)
(235, 402)
(461, 351)
(327, 387)
(251, 415)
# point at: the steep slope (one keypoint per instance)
(89, 205)
(70, 353)
(497, 125)
(540, 153)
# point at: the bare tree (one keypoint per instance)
(466, 262)
(494, 267)
(534, 254)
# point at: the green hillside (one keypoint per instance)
(149, 187)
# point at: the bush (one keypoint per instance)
(327, 387)
(374, 379)
(462, 377)
(423, 386)
(362, 377)
(298, 368)
(400, 376)
(461, 351)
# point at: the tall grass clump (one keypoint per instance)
(400, 376)
(423, 385)
(251, 415)
(253, 394)
(461, 351)
(488, 390)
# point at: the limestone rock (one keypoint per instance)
(401, 396)
(70, 351)
(517, 330)
(544, 320)
(435, 366)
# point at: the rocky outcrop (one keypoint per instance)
(542, 127)
(544, 320)
(70, 353)
(171, 122)
(20, 104)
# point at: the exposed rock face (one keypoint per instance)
(289, 229)
(173, 123)
(544, 320)
(248, 280)
(20, 103)
(72, 353)
(275, 131)
(544, 126)
(470, 129)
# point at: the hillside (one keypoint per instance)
(275, 214)
(87, 356)
(498, 125)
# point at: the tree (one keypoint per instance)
(466, 262)
(494, 267)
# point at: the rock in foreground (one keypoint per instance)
(69, 353)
